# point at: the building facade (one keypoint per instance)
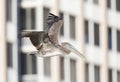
(92, 26)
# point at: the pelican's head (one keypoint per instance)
(53, 19)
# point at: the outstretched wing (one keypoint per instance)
(56, 24)
(35, 36)
(54, 31)
(72, 49)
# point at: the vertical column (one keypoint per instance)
(3, 67)
(14, 12)
(91, 73)
(90, 1)
(91, 32)
(15, 63)
(15, 46)
(66, 25)
(39, 26)
(80, 38)
(40, 70)
(113, 5)
(55, 61)
(114, 41)
(67, 69)
(55, 7)
(39, 16)
(114, 76)
(103, 41)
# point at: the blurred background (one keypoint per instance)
(92, 26)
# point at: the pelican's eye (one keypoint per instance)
(56, 18)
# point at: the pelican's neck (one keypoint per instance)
(48, 27)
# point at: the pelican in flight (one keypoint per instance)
(46, 42)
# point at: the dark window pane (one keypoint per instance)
(97, 74)
(9, 54)
(118, 5)
(109, 3)
(87, 72)
(86, 31)
(73, 70)
(118, 41)
(118, 76)
(110, 75)
(33, 18)
(62, 28)
(62, 68)
(28, 64)
(23, 63)
(9, 10)
(96, 1)
(72, 27)
(47, 67)
(109, 38)
(45, 15)
(23, 19)
(34, 65)
(96, 34)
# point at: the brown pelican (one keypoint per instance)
(46, 42)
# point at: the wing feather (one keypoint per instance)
(54, 31)
(28, 33)
(36, 37)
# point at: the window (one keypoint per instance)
(23, 63)
(109, 38)
(86, 31)
(73, 70)
(9, 54)
(109, 3)
(96, 34)
(110, 75)
(28, 64)
(9, 10)
(118, 41)
(72, 27)
(27, 18)
(47, 67)
(62, 28)
(45, 15)
(34, 64)
(118, 5)
(23, 19)
(97, 74)
(87, 72)
(33, 18)
(62, 68)
(118, 76)
(96, 1)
